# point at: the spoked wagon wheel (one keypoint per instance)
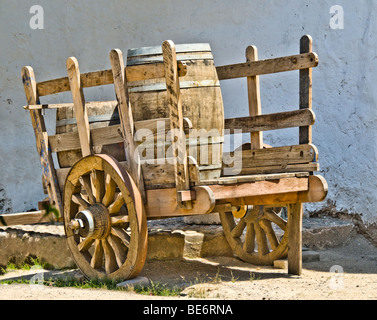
(104, 219)
(253, 238)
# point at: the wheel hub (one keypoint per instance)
(94, 222)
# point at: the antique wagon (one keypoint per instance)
(157, 152)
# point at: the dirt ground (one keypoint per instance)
(347, 272)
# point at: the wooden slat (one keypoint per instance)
(158, 175)
(275, 65)
(306, 167)
(126, 119)
(79, 106)
(176, 119)
(92, 104)
(259, 188)
(151, 71)
(106, 135)
(23, 218)
(253, 93)
(272, 121)
(37, 120)
(306, 46)
(105, 77)
(277, 156)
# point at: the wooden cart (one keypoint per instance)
(106, 197)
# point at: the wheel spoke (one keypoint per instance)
(97, 178)
(117, 204)
(85, 182)
(261, 240)
(122, 235)
(119, 220)
(110, 187)
(249, 243)
(119, 249)
(238, 229)
(273, 217)
(110, 260)
(78, 199)
(267, 228)
(97, 258)
(85, 244)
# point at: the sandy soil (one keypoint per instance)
(228, 278)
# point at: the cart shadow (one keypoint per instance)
(187, 272)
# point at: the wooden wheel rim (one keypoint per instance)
(111, 265)
(233, 236)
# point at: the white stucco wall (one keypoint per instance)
(344, 93)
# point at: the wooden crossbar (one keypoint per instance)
(105, 77)
(275, 65)
(272, 121)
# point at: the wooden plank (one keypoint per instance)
(151, 71)
(275, 65)
(105, 77)
(252, 178)
(158, 175)
(37, 120)
(306, 46)
(259, 188)
(182, 181)
(126, 119)
(106, 135)
(164, 203)
(272, 121)
(92, 104)
(304, 153)
(295, 213)
(79, 105)
(306, 167)
(253, 93)
(14, 219)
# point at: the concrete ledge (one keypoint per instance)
(168, 239)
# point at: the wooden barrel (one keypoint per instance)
(201, 101)
(100, 114)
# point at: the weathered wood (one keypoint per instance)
(163, 203)
(125, 112)
(295, 213)
(181, 173)
(253, 93)
(306, 167)
(272, 121)
(37, 120)
(79, 105)
(13, 219)
(200, 96)
(105, 77)
(306, 46)
(275, 65)
(156, 175)
(259, 188)
(279, 156)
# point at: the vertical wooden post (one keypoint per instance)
(126, 118)
(253, 90)
(79, 106)
(255, 109)
(295, 212)
(306, 45)
(37, 120)
(182, 181)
